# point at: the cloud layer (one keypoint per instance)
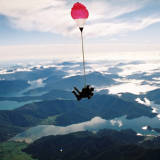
(45, 130)
(106, 17)
(93, 125)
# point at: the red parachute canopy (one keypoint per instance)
(79, 13)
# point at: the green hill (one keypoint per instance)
(105, 144)
(69, 112)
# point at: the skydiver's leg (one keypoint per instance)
(77, 90)
(75, 93)
(77, 96)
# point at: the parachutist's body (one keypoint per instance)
(87, 92)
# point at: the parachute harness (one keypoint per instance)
(84, 68)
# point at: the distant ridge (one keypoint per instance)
(69, 112)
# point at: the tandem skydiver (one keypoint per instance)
(87, 92)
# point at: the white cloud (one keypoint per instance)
(93, 125)
(156, 78)
(155, 107)
(113, 28)
(145, 127)
(158, 116)
(130, 88)
(146, 101)
(139, 134)
(104, 51)
(45, 130)
(111, 9)
(36, 83)
(41, 15)
(117, 122)
(154, 110)
(148, 67)
(54, 16)
(5, 71)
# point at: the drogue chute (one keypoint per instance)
(79, 13)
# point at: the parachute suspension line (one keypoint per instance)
(84, 68)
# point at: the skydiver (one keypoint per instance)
(87, 92)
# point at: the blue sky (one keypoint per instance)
(126, 24)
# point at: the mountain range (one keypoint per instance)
(102, 145)
(68, 112)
